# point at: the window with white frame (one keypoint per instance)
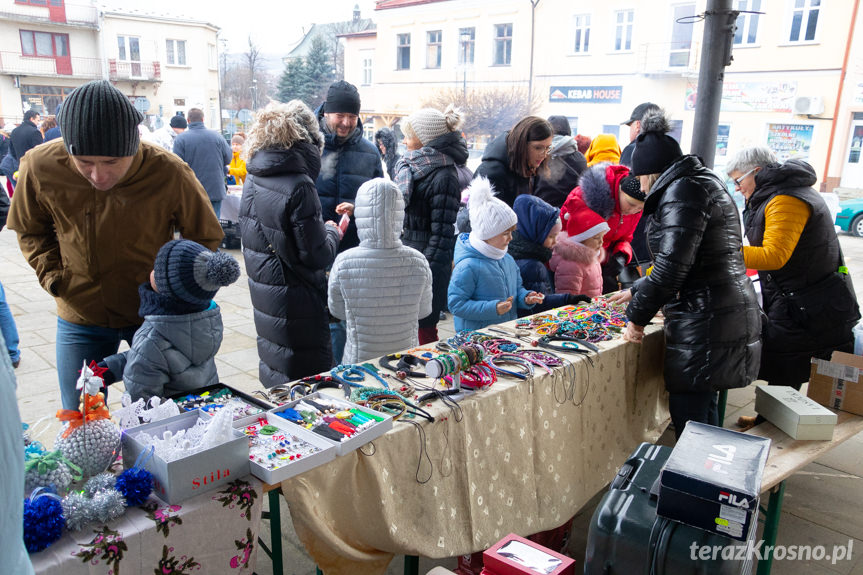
(212, 57)
(747, 22)
(176, 52)
(367, 61)
(128, 49)
(502, 44)
(403, 51)
(804, 20)
(581, 33)
(623, 21)
(433, 48)
(466, 41)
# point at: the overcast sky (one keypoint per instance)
(275, 26)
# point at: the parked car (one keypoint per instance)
(850, 216)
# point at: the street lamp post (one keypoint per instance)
(254, 93)
(465, 38)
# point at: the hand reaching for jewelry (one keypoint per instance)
(534, 298)
(621, 297)
(345, 208)
(504, 306)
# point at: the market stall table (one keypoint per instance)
(215, 532)
(524, 458)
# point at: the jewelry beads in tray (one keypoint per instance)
(212, 400)
(276, 453)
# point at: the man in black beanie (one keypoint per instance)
(348, 161)
(91, 212)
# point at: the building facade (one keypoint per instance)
(165, 65)
(593, 62)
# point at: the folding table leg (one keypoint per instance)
(412, 565)
(771, 528)
(276, 532)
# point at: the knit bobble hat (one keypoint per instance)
(191, 273)
(179, 121)
(632, 188)
(97, 119)
(654, 149)
(581, 223)
(428, 123)
(489, 216)
(342, 98)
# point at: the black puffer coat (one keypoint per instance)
(495, 166)
(789, 340)
(712, 320)
(287, 249)
(430, 216)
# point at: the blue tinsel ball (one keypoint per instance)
(135, 484)
(43, 523)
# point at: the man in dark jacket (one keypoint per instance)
(565, 165)
(208, 154)
(26, 136)
(348, 161)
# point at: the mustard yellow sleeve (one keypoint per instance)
(784, 219)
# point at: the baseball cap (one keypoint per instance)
(639, 112)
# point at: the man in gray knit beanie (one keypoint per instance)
(91, 212)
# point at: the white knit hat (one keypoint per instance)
(489, 216)
(428, 123)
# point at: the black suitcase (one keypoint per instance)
(627, 537)
(231, 241)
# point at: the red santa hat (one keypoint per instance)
(580, 222)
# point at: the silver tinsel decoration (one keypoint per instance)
(92, 447)
(80, 510)
(99, 483)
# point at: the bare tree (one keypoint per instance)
(489, 111)
(253, 59)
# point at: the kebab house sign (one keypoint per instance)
(586, 94)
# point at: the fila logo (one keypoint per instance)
(717, 462)
(733, 500)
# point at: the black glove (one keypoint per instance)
(108, 377)
(572, 299)
(614, 266)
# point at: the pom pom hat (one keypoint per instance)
(428, 123)
(581, 223)
(489, 216)
(654, 149)
(190, 272)
(97, 119)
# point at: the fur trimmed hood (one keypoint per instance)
(599, 185)
(575, 251)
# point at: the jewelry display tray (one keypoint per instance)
(272, 476)
(240, 422)
(342, 447)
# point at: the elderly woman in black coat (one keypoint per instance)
(806, 294)
(712, 321)
(286, 245)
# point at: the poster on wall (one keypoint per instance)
(722, 132)
(790, 140)
(750, 96)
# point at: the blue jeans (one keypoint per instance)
(79, 343)
(338, 337)
(217, 207)
(7, 326)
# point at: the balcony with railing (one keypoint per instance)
(134, 71)
(17, 64)
(668, 58)
(78, 15)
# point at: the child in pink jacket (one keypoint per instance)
(576, 257)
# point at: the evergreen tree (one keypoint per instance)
(294, 82)
(308, 78)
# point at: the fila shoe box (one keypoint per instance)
(712, 480)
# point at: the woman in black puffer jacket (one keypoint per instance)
(286, 245)
(712, 320)
(427, 177)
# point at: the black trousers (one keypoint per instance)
(700, 407)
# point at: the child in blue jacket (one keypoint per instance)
(485, 287)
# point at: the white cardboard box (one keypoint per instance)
(347, 445)
(178, 480)
(794, 413)
(272, 476)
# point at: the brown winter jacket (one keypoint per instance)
(92, 249)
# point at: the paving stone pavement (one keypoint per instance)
(822, 502)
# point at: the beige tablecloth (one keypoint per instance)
(525, 458)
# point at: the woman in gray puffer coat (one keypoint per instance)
(712, 320)
(381, 288)
(286, 245)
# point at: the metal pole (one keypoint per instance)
(533, 4)
(464, 73)
(715, 56)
